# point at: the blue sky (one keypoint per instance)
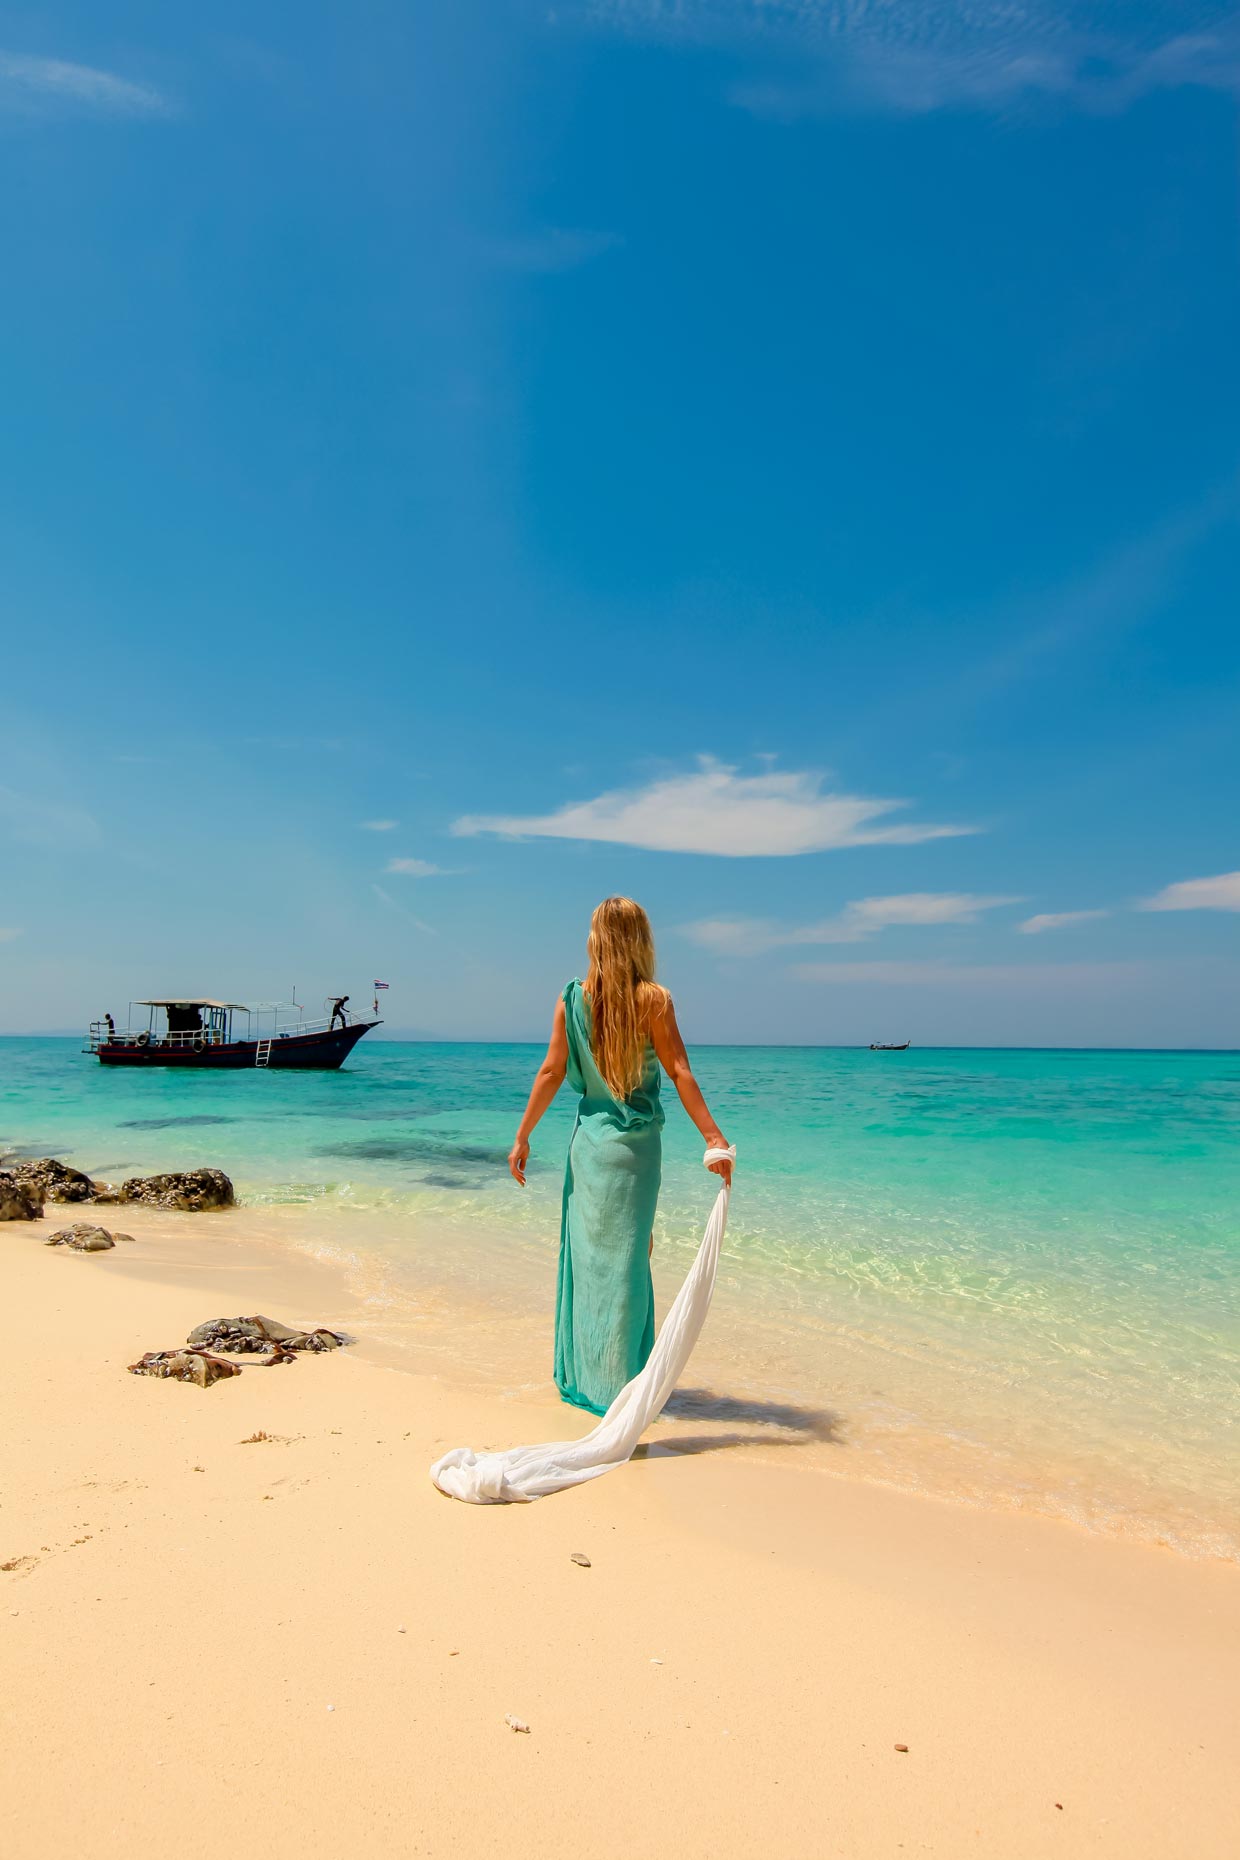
(782, 462)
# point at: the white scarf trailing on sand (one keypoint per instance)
(524, 1473)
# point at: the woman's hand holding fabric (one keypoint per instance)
(723, 1166)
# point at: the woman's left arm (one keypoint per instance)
(547, 1082)
(670, 1052)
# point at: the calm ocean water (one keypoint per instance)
(1012, 1277)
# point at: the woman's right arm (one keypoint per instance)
(671, 1055)
(547, 1082)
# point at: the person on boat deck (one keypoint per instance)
(111, 1026)
(338, 1007)
(609, 1037)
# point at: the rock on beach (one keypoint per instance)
(84, 1238)
(18, 1200)
(193, 1191)
(25, 1186)
(244, 1334)
(53, 1180)
(184, 1366)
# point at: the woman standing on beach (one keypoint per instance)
(610, 1035)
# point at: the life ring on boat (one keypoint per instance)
(198, 1046)
(143, 1039)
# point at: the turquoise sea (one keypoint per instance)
(1009, 1277)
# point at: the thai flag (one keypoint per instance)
(382, 984)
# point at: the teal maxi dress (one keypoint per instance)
(604, 1315)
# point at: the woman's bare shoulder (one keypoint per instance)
(657, 1003)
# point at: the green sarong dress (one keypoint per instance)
(604, 1313)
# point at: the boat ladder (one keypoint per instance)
(262, 1053)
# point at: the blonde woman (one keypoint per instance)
(610, 1036)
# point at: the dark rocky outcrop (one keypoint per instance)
(53, 1180)
(193, 1190)
(184, 1366)
(242, 1335)
(47, 1179)
(18, 1200)
(85, 1239)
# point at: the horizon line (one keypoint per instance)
(778, 1046)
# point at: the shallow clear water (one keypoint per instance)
(1007, 1276)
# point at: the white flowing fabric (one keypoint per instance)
(525, 1473)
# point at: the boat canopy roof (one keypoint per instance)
(195, 1001)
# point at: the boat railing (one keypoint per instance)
(196, 1040)
(294, 1029)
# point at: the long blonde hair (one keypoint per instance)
(623, 992)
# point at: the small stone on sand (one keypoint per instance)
(581, 1559)
(517, 1724)
(903, 1747)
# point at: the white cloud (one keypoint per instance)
(1198, 894)
(865, 917)
(1057, 920)
(931, 975)
(716, 810)
(415, 868)
(53, 81)
(379, 826)
(927, 55)
(735, 936)
(868, 915)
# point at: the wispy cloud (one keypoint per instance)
(300, 745)
(717, 810)
(386, 898)
(920, 56)
(37, 822)
(416, 868)
(749, 936)
(54, 83)
(1007, 976)
(9, 935)
(1057, 920)
(1041, 633)
(1198, 894)
(548, 249)
(379, 826)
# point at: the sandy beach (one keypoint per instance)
(295, 1640)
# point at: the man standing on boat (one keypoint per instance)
(338, 1007)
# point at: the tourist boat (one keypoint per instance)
(209, 1035)
(889, 1046)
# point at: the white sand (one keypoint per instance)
(182, 1610)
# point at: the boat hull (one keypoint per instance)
(307, 1052)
